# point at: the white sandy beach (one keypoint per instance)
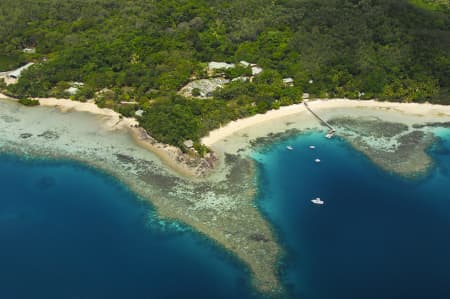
(113, 120)
(428, 112)
(237, 135)
(425, 111)
(110, 120)
(3, 97)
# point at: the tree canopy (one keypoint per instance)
(147, 50)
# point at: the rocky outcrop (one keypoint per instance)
(186, 163)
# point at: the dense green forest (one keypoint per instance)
(145, 51)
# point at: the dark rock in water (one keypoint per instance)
(125, 158)
(49, 135)
(272, 137)
(25, 135)
(432, 125)
(46, 182)
(230, 158)
(411, 139)
(406, 155)
(239, 169)
(372, 126)
(258, 237)
(147, 172)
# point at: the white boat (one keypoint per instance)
(312, 147)
(289, 147)
(317, 161)
(330, 134)
(317, 201)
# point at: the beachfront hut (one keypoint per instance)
(256, 70)
(188, 143)
(241, 79)
(16, 74)
(72, 90)
(29, 50)
(215, 68)
(244, 63)
(77, 84)
(139, 113)
(213, 65)
(129, 102)
(288, 82)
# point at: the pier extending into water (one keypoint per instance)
(331, 131)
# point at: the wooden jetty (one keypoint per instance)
(331, 130)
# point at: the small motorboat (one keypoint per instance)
(289, 147)
(312, 147)
(330, 134)
(317, 201)
(317, 161)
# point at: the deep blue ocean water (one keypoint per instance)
(377, 236)
(67, 231)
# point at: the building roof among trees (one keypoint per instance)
(16, 73)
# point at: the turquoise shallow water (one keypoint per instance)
(67, 231)
(377, 236)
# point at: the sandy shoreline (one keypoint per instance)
(413, 109)
(115, 120)
(171, 156)
(236, 135)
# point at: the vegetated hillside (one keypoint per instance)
(147, 50)
(439, 5)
